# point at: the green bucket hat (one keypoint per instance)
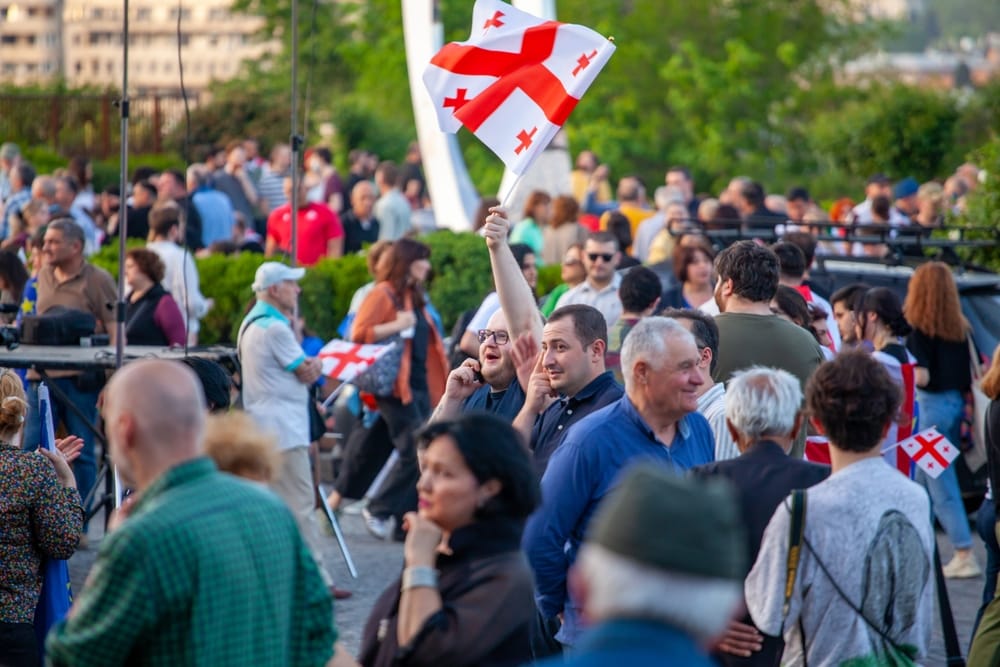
(675, 524)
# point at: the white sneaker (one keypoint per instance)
(380, 528)
(962, 566)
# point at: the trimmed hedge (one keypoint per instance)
(461, 278)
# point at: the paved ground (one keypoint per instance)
(379, 564)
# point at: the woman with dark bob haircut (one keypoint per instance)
(466, 594)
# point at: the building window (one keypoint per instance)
(144, 14)
(78, 67)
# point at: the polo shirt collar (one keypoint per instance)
(616, 281)
(683, 428)
(263, 308)
(179, 475)
(594, 387)
(84, 267)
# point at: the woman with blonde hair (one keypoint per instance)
(41, 516)
(939, 343)
(238, 447)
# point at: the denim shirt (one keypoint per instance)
(580, 474)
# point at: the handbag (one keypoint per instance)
(975, 456)
(380, 378)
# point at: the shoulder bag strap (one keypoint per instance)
(975, 363)
(243, 330)
(796, 532)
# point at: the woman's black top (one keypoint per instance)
(488, 615)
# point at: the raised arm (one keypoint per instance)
(516, 298)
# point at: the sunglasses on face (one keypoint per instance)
(500, 337)
(606, 256)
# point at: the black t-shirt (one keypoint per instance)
(418, 352)
(946, 361)
(897, 352)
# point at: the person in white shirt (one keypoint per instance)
(601, 256)
(181, 275)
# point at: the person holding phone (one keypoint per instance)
(397, 305)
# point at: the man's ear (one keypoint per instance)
(797, 424)
(599, 348)
(733, 433)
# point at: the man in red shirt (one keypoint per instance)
(320, 233)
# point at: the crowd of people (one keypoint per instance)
(623, 469)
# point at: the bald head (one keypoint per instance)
(162, 405)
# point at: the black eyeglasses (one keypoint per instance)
(606, 256)
(501, 337)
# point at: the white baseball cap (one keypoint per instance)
(272, 273)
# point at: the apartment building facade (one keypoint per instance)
(82, 41)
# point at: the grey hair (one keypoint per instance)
(621, 587)
(70, 230)
(763, 402)
(647, 341)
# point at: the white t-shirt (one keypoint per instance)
(871, 528)
(272, 394)
(180, 278)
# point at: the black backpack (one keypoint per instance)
(58, 325)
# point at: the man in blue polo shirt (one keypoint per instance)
(656, 420)
(569, 382)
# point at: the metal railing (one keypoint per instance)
(73, 123)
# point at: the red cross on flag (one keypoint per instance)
(344, 361)
(930, 450)
(514, 82)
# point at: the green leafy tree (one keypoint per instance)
(898, 130)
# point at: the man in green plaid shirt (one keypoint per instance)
(206, 569)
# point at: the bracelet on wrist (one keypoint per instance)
(419, 576)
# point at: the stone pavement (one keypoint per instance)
(379, 564)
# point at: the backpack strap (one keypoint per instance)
(796, 531)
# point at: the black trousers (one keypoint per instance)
(18, 645)
(365, 452)
(398, 494)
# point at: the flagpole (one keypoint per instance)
(510, 191)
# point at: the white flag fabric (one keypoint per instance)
(930, 450)
(343, 360)
(514, 82)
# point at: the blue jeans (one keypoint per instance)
(986, 524)
(85, 467)
(944, 410)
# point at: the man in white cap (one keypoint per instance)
(276, 379)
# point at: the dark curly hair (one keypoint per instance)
(886, 305)
(854, 399)
(752, 268)
(148, 262)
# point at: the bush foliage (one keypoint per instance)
(460, 280)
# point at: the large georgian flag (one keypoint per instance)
(515, 81)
